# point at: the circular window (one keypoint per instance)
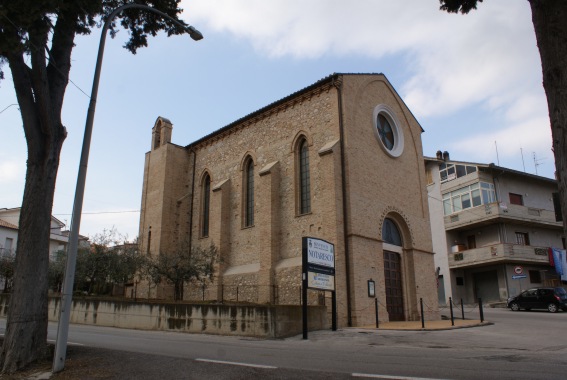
(387, 130)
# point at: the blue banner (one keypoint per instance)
(558, 259)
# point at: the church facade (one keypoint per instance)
(340, 160)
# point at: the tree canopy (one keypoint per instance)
(36, 41)
(456, 6)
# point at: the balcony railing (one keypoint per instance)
(494, 211)
(499, 253)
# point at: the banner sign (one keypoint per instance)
(320, 252)
(318, 272)
(319, 263)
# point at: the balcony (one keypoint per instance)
(498, 213)
(499, 254)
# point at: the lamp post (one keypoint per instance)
(67, 291)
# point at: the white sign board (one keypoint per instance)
(320, 252)
(321, 281)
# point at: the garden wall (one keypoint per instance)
(263, 321)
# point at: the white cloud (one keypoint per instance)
(524, 137)
(487, 59)
(12, 170)
(93, 222)
(454, 59)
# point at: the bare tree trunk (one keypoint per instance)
(26, 327)
(550, 23)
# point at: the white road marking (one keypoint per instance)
(68, 343)
(236, 363)
(386, 377)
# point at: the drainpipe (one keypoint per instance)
(192, 199)
(337, 85)
(501, 226)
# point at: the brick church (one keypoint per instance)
(340, 160)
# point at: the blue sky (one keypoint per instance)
(473, 82)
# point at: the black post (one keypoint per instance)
(222, 294)
(481, 312)
(451, 308)
(462, 309)
(334, 312)
(236, 293)
(376, 308)
(422, 317)
(203, 286)
(304, 308)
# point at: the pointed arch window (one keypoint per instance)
(249, 193)
(304, 178)
(206, 191)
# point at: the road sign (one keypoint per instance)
(518, 269)
(519, 276)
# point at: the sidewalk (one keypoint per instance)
(429, 325)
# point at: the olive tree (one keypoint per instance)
(181, 266)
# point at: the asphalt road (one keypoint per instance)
(520, 345)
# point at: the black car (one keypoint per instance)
(551, 299)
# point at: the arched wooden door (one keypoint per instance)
(394, 291)
(393, 271)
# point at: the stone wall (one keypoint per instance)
(256, 321)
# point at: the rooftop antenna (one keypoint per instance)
(523, 163)
(537, 162)
(497, 158)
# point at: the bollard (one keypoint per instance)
(451, 308)
(422, 318)
(236, 293)
(376, 308)
(222, 294)
(462, 309)
(334, 311)
(481, 312)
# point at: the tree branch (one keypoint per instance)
(21, 75)
(39, 81)
(60, 56)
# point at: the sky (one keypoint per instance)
(473, 82)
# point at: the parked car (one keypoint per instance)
(551, 299)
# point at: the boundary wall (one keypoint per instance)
(262, 321)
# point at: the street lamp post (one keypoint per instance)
(67, 291)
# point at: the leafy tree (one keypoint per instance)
(549, 18)
(108, 261)
(56, 272)
(127, 263)
(36, 41)
(183, 265)
(7, 264)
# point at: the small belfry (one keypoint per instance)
(161, 132)
(341, 161)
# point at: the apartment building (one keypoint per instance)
(492, 229)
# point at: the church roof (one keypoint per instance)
(324, 81)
